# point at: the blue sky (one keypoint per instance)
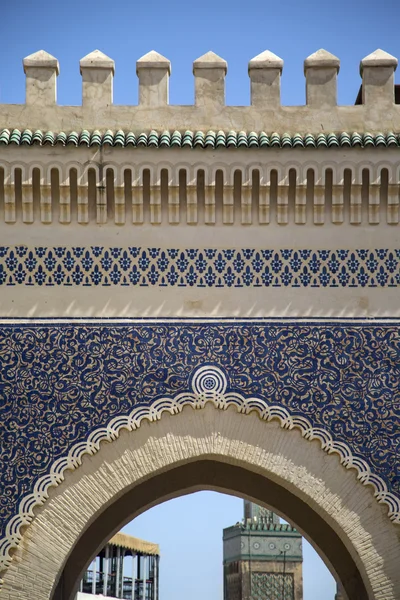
(190, 529)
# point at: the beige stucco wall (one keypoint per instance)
(293, 119)
(138, 301)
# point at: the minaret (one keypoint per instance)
(262, 557)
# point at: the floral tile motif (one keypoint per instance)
(193, 267)
(60, 382)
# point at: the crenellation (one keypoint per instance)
(97, 113)
(153, 71)
(247, 176)
(41, 70)
(210, 71)
(321, 70)
(265, 72)
(97, 72)
(377, 71)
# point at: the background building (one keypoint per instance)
(262, 558)
(126, 567)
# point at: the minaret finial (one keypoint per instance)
(259, 514)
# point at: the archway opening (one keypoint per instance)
(208, 545)
(217, 476)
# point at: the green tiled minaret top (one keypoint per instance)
(259, 514)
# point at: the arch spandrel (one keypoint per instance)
(252, 454)
(306, 376)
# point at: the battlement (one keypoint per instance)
(203, 164)
(378, 111)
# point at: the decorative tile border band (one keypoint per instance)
(209, 384)
(193, 267)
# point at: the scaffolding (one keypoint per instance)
(126, 567)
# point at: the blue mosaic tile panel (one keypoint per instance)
(193, 267)
(60, 382)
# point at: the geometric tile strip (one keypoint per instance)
(193, 267)
(208, 383)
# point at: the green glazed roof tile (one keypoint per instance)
(275, 139)
(253, 139)
(391, 139)
(263, 140)
(95, 138)
(242, 141)
(356, 139)
(119, 139)
(84, 138)
(108, 138)
(345, 139)
(152, 140)
(142, 140)
(15, 137)
(220, 140)
(187, 140)
(37, 137)
(165, 139)
(49, 138)
(309, 141)
(298, 141)
(380, 140)
(332, 140)
(231, 139)
(210, 139)
(368, 140)
(322, 142)
(130, 139)
(61, 138)
(5, 136)
(26, 137)
(201, 139)
(73, 138)
(286, 140)
(176, 139)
